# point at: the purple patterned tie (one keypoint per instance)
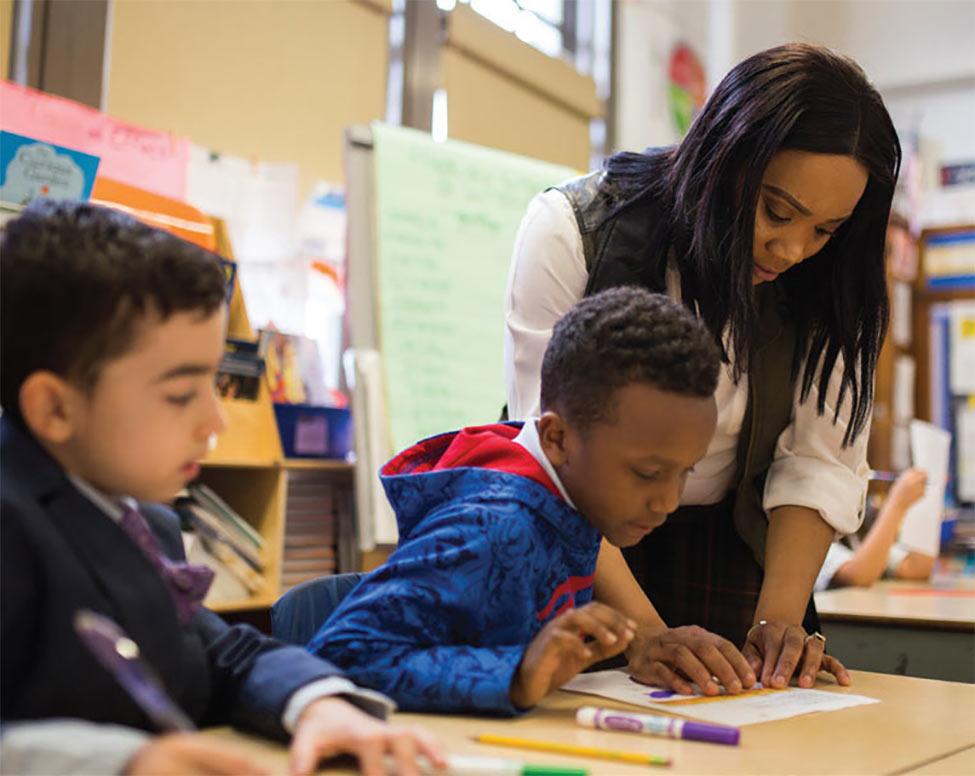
(187, 583)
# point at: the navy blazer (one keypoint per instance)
(60, 553)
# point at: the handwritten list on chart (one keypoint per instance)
(447, 214)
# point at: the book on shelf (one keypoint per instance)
(310, 530)
(241, 370)
(205, 496)
(949, 259)
(228, 584)
(223, 556)
(213, 532)
(228, 539)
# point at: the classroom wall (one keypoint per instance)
(505, 94)
(275, 80)
(647, 30)
(917, 52)
(6, 36)
(928, 77)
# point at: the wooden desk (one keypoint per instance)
(923, 630)
(958, 764)
(918, 723)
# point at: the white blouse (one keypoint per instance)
(811, 468)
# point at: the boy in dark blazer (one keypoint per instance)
(112, 332)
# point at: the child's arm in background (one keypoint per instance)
(908, 564)
(870, 559)
(915, 566)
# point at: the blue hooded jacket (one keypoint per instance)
(489, 552)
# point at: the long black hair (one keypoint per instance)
(794, 97)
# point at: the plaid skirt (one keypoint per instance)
(697, 570)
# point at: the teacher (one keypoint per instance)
(768, 220)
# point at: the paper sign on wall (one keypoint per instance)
(141, 157)
(30, 168)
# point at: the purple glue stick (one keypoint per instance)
(670, 727)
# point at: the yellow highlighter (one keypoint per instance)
(571, 749)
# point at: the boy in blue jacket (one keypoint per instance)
(111, 336)
(486, 605)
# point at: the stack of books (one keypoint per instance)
(310, 530)
(225, 542)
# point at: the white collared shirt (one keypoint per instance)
(528, 438)
(114, 509)
(810, 467)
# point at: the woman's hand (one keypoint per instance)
(676, 657)
(777, 650)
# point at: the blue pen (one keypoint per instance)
(119, 655)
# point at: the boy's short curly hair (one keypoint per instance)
(77, 279)
(621, 336)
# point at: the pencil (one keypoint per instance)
(572, 749)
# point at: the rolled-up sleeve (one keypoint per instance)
(811, 468)
(547, 276)
(68, 746)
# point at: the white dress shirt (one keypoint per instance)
(810, 468)
(528, 438)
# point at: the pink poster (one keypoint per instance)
(146, 158)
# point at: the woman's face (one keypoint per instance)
(804, 198)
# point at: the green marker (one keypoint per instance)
(467, 765)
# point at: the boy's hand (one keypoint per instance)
(908, 487)
(560, 650)
(331, 726)
(671, 657)
(188, 754)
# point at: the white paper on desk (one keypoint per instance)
(748, 708)
(921, 529)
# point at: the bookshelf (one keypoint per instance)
(892, 406)
(924, 298)
(299, 506)
(921, 281)
(318, 464)
(244, 467)
(258, 495)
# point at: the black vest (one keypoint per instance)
(618, 234)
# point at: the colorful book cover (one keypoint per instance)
(30, 168)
